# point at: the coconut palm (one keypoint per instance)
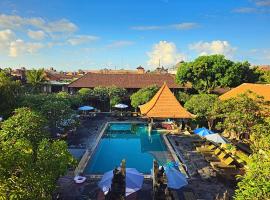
(35, 78)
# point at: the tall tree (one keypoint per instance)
(208, 72)
(204, 107)
(35, 78)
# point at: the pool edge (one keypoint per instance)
(89, 152)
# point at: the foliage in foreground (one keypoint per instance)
(255, 184)
(30, 163)
(208, 72)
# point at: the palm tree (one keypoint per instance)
(35, 78)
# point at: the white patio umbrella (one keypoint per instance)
(121, 106)
(176, 179)
(134, 181)
(216, 138)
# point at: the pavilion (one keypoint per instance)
(164, 105)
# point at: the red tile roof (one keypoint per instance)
(136, 81)
(259, 89)
(59, 77)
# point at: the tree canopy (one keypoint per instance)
(35, 78)
(240, 114)
(30, 163)
(107, 95)
(143, 95)
(56, 108)
(9, 91)
(203, 106)
(209, 72)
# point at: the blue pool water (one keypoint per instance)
(130, 142)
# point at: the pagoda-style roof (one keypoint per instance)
(259, 89)
(164, 105)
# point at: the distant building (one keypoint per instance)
(173, 70)
(58, 81)
(130, 81)
(264, 67)
(161, 70)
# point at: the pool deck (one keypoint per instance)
(202, 179)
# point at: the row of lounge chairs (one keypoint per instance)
(221, 160)
(124, 114)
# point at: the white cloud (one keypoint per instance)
(245, 10)
(146, 28)
(213, 47)
(179, 26)
(81, 39)
(262, 3)
(120, 43)
(14, 47)
(164, 53)
(16, 22)
(185, 26)
(6, 37)
(19, 47)
(36, 35)
(57, 32)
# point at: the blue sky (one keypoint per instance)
(93, 34)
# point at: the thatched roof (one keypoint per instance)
(164, 105)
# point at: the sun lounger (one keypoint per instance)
(223, 164)
(216, 156)
(211, 153)
(206, 149)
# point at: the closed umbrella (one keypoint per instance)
(203, 131)
(175, 178)
(134, 181)
(216, 138)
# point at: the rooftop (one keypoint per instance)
(260, 89)
(135, 81)
(164, 105)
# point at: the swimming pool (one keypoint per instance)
(131, 142)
